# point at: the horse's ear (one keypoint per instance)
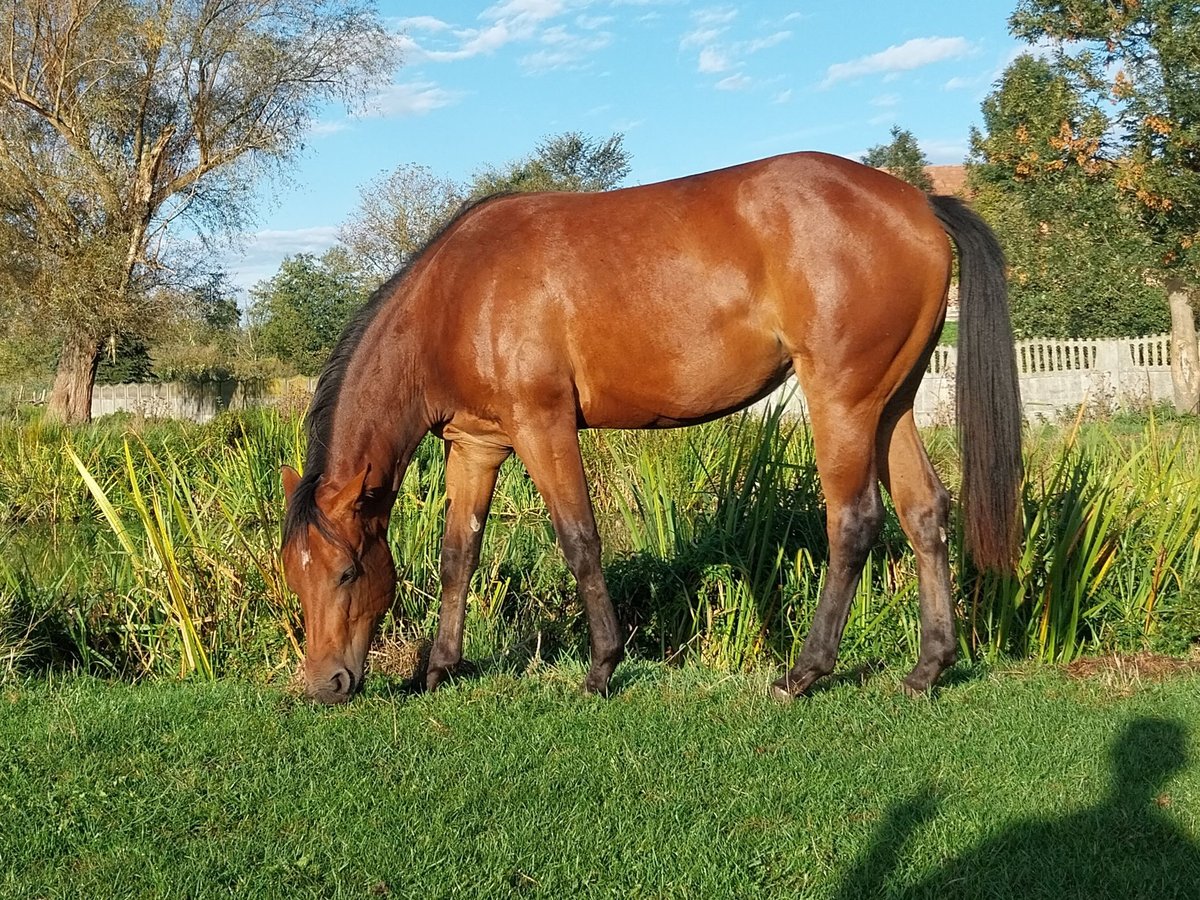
(350, 495)
(291, 478)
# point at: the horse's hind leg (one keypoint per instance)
(924, 508)
(845, 445)
(550, 452)
(470, 480)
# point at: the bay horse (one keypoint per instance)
(531, 316)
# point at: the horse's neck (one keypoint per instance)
(380, 421)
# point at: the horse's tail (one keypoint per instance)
(988, 402)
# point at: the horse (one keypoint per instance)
(531, 316)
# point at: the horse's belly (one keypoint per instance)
(665, 391)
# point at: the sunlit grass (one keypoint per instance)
(686, 783)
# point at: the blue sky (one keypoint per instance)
(692, 85)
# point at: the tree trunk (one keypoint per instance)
(71, 399)
(1185, 353)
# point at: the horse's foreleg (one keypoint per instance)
(924, 509)
(845, 447)
(470, 480)
(550, 452)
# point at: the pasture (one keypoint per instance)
(148, 652)
(1016, 782)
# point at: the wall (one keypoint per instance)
(1056, 377)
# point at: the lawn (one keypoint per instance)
(1021, 782)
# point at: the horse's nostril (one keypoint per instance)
(342, 682)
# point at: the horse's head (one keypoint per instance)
(336, 559)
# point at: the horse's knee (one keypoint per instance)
(857, 525)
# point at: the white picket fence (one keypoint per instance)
(1057, 376)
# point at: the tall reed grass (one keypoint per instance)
(140, 549)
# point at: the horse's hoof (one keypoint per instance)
(780, 693)
(597, 685)
(916, 691)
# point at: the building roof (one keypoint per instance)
(948, 179)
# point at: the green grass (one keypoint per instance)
(684, 784)
(949, 334)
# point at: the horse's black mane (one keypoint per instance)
(302, 508)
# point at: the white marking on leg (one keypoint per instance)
(475, 524)
(305, 559)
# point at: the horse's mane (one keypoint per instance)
(302, 509)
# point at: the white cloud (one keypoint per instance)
(567, 50)
(700, 37)
(948, 152)
(715, 16)
(591, 23)
(904, 57)
(262, 252)
(515, 22)
(763, 43)
(321, 129)
(737, 82)
(885, 101)
(713, 60)
(524, 10)
(423, 23)
(783, 96)
(414, 98)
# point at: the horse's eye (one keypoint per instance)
(349, 575)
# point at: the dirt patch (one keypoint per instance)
(398, 658)
(1127, 671)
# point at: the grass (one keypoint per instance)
(1018, 783)
(949, 334)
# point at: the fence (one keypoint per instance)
(199, 402)
(1057, 376)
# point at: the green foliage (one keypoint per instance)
(400, 211)
(714, 539)
(902, 157)
(120, 118)
(566, 162)
(125, 359)
(1140, 58)
(299, 314)
(396, 215)
(206, 341)
(1077, 256)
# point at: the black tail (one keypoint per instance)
(988, 401)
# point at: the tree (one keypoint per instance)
(397, 214)
(204, 340)
(566, 162)
(299, 314)
(120, 117)
(1141, 57)
(902, 157)
(1039, 174)
(400, 211)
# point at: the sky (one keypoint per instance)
(692, 85)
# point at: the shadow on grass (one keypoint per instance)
(1126, 846)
